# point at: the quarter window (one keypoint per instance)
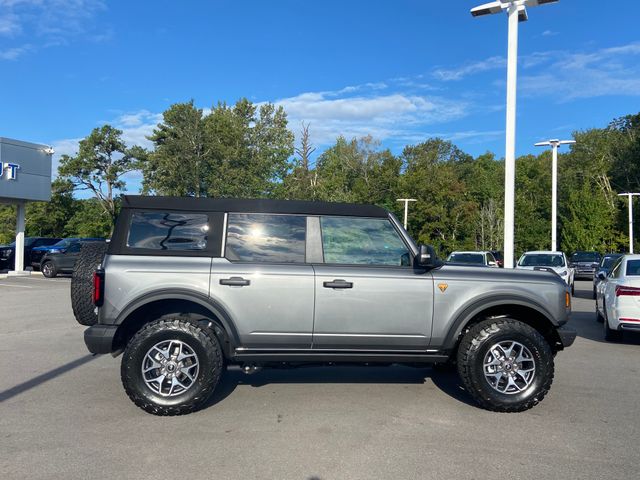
(266, 238)
(168, 231)
(362, 241)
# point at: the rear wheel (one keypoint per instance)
(49, 269)
(506, 365)
(610, 335)
(171, 366)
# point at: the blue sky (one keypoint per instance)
(400, 70)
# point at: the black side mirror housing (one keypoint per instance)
(426, 257)
(602, 275)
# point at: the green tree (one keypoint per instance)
(89, 220)
(99, 166)
(239, 151)
(181, 161)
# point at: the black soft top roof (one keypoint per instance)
(251, 206)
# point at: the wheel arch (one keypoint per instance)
(176, 302)
(521, 309)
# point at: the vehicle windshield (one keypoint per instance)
(470, 258)
(607, 262)
(541, 260)
(585, 257)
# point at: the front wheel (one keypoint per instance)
(49, 269)
(171, 366)
(506, 365)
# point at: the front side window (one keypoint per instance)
(362, 241)
(266, 238)
(615, 270)
(168, 231)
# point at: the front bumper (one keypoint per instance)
(99, 338)
(567, 336)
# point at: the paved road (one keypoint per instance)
(63, 414)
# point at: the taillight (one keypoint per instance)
(622, 290)
(98, 288)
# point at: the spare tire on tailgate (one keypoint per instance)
(90, 258)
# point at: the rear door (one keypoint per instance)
(264, 280)
(368, 295)
(67, 260)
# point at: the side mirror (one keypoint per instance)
(493, 264)
(602, 275)
(426, 257)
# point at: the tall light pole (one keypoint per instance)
(554, 186)
(517, 12)
(630, 195)
(406, 208)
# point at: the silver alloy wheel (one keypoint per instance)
(509, 367)
(46, 269)
(170, 368)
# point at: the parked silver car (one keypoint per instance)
(188, 286)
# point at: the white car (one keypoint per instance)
(549, 261)
(618, 297)
(485, 259)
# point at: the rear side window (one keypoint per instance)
(266, 238)
(168, 231)
(362, 241)
(633, 268)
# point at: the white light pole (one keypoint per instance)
(517, 11)
(406, 208)
(554, 144)
(630, 195)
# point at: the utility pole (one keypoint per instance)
(554, 186)
(406, 208)
(630, 196)
(517, 12)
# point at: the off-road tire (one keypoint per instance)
(204, 343)
(91, 255)
(48, 269)
(573, 288)
(475, 345)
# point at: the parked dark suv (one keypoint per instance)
(38, 252)
(585, 264)
(191, 285)
(7, 252)
(62, 260)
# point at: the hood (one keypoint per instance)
(481, 273)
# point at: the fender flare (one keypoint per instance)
(210, 304)
(468, 312)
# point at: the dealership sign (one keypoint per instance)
(25, 171)
(9, 171)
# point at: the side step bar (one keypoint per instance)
(339, 357)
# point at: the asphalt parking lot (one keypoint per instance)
(64, 414)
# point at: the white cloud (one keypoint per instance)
(47, 23)
(454, 74)
(603, 72)
(549, 33)
(382, 114)
(15, 52)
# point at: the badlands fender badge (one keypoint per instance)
(443, 287)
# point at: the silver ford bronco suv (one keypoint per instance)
(188, 286)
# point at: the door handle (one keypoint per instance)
(338, 283)
(235, 282)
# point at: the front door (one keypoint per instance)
(368, 295)
(264, 282)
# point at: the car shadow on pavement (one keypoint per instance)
(45, 377)
(445, 380)
(587, 327)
